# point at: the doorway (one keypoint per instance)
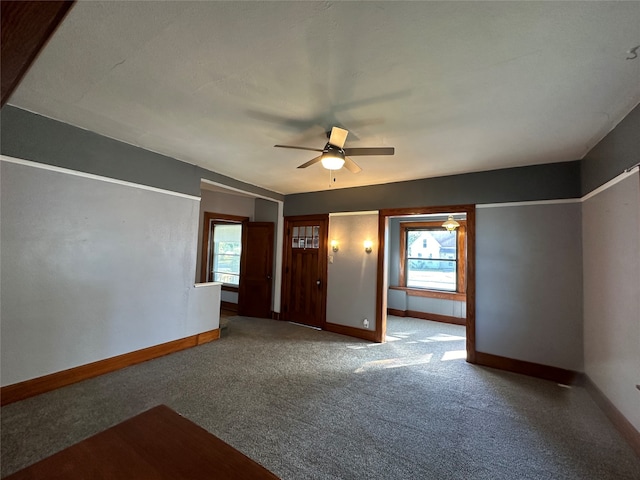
(305, 269)
(385, 216)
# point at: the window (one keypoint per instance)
(224, 256)
(433, 258)
(222, 249)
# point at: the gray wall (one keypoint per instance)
(611, 231)
(30, 136)
(539, 182)
(618, 151)
(529, 283)
(351, 283)
(93, 269)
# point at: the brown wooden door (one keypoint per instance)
(256, 270)
(305, 269)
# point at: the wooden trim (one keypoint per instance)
(351, 331)
(402, 274)
(437, 317)
(204, 248)
(229, 288)
(624, 426)
(275, 315)
(470, 281)
(555, 374)
(461, 270)
(206, 337)
(381, 283)
(229, 306)
(36, 386)
(26, 28)
(416, 292)
(427, 316)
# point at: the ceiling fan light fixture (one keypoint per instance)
(332, 157)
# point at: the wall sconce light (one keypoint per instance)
(334, 245)
(450, 224)
(368, 246)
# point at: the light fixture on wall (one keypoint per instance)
(332, 157)
(368, 246)
(334, 245)
(450, 224)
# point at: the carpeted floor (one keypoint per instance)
(310, 404)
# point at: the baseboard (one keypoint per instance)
(351, 331)
(206, 337)
(275, 315)
(555, 374)
(36, 386)
(427, 316)
(626, 429)
(229, 307)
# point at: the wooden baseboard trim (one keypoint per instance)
(427, 316)
(555, 374)
(350, 331)
(229, 306)
(206, 337)
(624, 426)
(46, 383)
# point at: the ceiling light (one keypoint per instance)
(332, 157)
(450, 224)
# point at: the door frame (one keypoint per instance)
(381, 294)
(322, 258)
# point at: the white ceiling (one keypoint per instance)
(454, 86)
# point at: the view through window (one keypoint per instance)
(432, 257)
(225, 250)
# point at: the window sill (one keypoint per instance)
(229, 288)
(418, 292)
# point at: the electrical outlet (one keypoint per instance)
(365, 322)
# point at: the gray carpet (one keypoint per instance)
(309, 404)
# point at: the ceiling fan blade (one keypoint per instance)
(313, 161)
(299, 148)
(338, 137)
(352, 166)
(369, 151)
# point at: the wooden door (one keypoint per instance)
(305, 269)
(256, 270)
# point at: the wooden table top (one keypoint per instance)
(157, 444)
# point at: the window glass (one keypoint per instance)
(227, 247)
(431, 259)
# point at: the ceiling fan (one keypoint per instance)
(334, 156)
